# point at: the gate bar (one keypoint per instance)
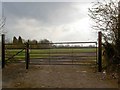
(99, 51)
(3, 51)
(66, 43)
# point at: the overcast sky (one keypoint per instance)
(55, 21)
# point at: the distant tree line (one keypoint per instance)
(34, 44)
(17, 41)
(42, 44)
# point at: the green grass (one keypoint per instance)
(45, 53)
(54, 50)
(63, 50)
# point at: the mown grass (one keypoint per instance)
(45, 53)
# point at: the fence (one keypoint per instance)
(64, 52)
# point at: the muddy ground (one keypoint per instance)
(55, 76)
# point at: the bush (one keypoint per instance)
(110, 57)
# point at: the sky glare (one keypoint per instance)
(55, 21)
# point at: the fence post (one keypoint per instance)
(27, 55)
(99, 51)
(3, 51)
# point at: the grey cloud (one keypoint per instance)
(54, 21)
(0, 9)
(81, 1)
(48, 13)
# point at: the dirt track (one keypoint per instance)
(55, 76)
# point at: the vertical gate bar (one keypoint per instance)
(99, 51)
(49, 57)
(96, 54)
(3, 51)
(72, 56)
(27, 55)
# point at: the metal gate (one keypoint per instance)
(64, 53)
(14, 55)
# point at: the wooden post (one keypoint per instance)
(99, 51)
(119, 21)
(27, 55)
(118, 39)
(3, 51)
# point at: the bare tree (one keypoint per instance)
(106, 17)
(2, 24)
(2, 21)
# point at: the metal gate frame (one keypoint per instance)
(28, 56)
(71, 52)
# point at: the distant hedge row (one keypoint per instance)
(42, 46)
(21, 46)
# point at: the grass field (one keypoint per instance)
(46, 53)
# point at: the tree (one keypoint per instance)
(2, 24)
(34, 42)
(45, 43)
(15, 41)
(105, 16)
(20, 40)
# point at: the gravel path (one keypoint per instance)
(55, 76)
